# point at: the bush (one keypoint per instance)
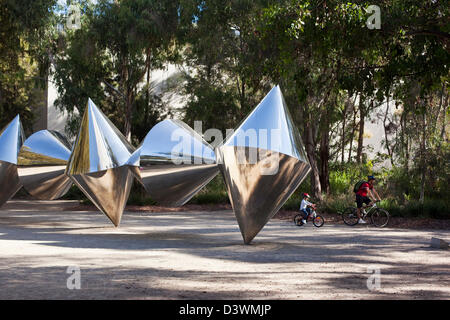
(343, 176)
(336, 204)
(214, 192)
(75, 193)
(398, 189)
(293, 203)
(431, 208)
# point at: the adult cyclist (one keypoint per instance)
(361, 196)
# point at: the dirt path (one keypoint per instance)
(200, 255)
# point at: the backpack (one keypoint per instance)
(358, 185)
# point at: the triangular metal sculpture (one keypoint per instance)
(263, 162)
(11, 140)
(98, 163)
(174, 162)
(42, 164)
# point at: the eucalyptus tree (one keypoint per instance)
(320, 49)
(24, 32)
(223, 54)
(112, 56)
(324, 49)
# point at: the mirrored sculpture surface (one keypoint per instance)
(174, 162)
(263, 162)
(42, 164)
(98, 164)
(11, 140)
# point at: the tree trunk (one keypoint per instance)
(315, 177)
(324, 159)
(325, 149)
(129, 114)
(444, 118)
(422, 187)
(423, 163)
(343, 129)
(352, 136)
(361, 133)
(388, 148)
(407, 152)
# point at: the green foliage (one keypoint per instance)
(336, 204)
(214, 193)
(343, 176)
(109, 59)
(225, 80)
(293, 203)
(75, 193)
(139, 197)
(431, 208)
(24, 32)
(334, 72)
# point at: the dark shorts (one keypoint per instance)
(360, 200)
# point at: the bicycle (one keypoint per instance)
(317, 219)
(379, 217)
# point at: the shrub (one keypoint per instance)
(431, 208)
(336, 204)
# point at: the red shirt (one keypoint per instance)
(363, 189)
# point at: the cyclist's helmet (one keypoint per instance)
(370, 178)
(305, 195)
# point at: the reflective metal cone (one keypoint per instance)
(98, 164)
(263, 162)
(42, 164)
(11, 139)
(174, 162)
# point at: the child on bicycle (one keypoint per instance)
(305, 207)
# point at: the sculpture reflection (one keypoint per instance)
(11, 140)
(262, 162)
(42, 163)
(98, 164)
(174, 162)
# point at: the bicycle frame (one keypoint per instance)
(376, 213)
(366, 213)
(312, 215)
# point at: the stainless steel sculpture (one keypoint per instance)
(98, 164)
(174, 163)
(11, 140)
(263, 162)
(42, 164)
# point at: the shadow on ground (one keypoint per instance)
(200, 255)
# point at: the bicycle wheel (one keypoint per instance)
(318, 221)
(380, 218)
(298, 220)
(349, 216)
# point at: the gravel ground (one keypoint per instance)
(200, 255)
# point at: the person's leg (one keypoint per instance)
(358, 206)
(367, 201)
(308, 211)
(305, 215)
